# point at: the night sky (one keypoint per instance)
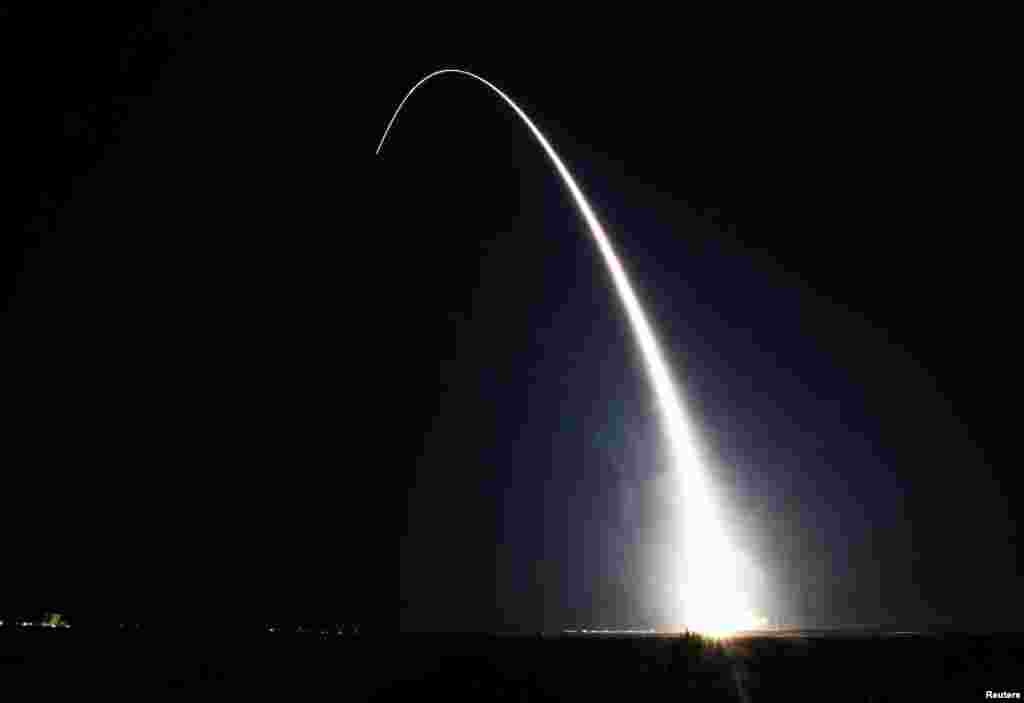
(264, 375)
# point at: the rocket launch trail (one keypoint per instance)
(708, 579)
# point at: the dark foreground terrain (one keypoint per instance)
(446, 668)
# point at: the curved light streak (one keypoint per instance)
(710, 589)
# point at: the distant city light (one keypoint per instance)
(610, 631)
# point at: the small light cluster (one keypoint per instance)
(48, 625)
(324, 631)
(586, 630)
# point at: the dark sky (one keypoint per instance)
(264, 373)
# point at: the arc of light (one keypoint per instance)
(669, 403)
(698, 512)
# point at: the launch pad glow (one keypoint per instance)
(709, 578)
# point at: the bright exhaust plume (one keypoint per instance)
(709, 579)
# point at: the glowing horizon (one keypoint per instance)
(710, 588)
